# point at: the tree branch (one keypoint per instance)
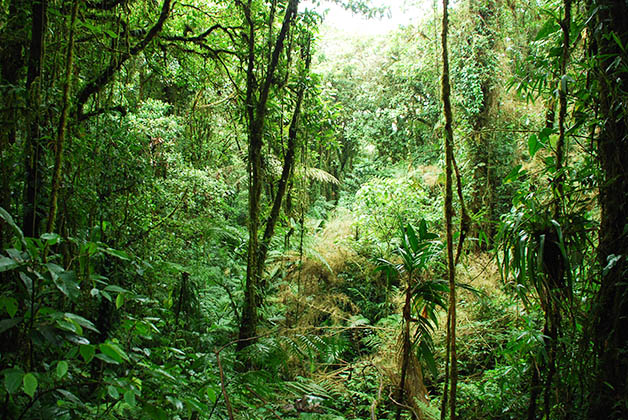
(107, 74)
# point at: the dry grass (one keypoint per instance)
(480, 271)
(312, 295)
(312, 280)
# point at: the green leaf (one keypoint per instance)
(13, 379)
(412, 238)
(114, 351)
(87, 352)
(116, 253)
(69, 326)
(68, 396)
(10, 304)
(155, 413)
(7, 264)
(67, 284)
(548, 28)
(81, 321)
(513, 174)
(211, 394)
(51, 238)
(129, 398)
(113, 392)
(194, 405)
(7, 218)
(91, 27)
(115, 289)
(545, 133)
(106, 359)
(7, 324)
(29, 383)
(618, 41)
(119, 300)
(427, 356)
(534, 145)
(62, 369)
(111, 34)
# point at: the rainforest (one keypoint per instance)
(313, 209)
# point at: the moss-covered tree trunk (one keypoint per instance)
(256, 109)
(485, 16)
(63, 122)
(452, 367)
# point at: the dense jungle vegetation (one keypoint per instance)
(230, 209)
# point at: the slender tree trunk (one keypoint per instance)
(610, 387)
(449, 211)
(562, 111)
(34, 152)
(286, 172)
(256, 117)
(556, 265)
(63, 123)
(406, 348)
(535, 390)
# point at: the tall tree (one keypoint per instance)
(610, 388)
(63, 121)
(256, 105)
(483, 103)
(34, 143)
(449, 213)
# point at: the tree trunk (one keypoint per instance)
(449, 212)
(610, 388)
(256, 108)
(63, 123)
(406, 348)
(34, 150)
(485, 16)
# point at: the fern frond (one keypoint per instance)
(319, 175)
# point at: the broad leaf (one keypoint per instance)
(29, 383)
(114, 351)
(13, 380)
(7, 264)
(62, 369)
(534, 145)
(87, 352)
(129, 398)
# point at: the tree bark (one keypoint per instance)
(406, 348)
(449, 212)
(256, 108)
(610, 387)
(63, 123)
(34, 150)
(485, 18)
